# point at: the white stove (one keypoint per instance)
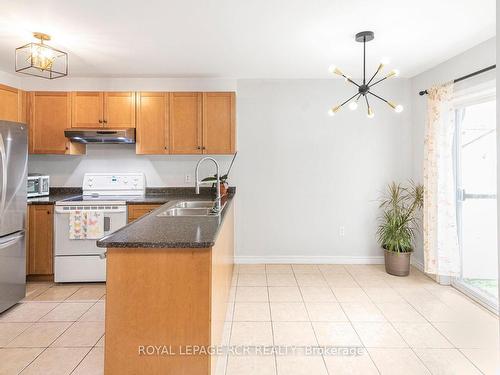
(106, 195)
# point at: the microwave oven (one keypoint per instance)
(38, 185)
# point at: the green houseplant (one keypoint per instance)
(222, 182)
(400, 219)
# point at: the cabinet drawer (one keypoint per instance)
(137, 210)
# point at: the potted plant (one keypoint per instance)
(398, 225)
(222, 182)
(222, 179)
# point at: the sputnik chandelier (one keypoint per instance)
(365, 89)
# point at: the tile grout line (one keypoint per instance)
(237, 273)
(438, 330)
(33, 323)
(428, 321)
(309, 316)
(271, 317)
(354, 328)
(399, 334)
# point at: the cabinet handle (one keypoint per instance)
(100, 121)
(105, 121)
(204, 148)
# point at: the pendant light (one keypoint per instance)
(41, 60)
(364, 89)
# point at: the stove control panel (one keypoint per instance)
(114, 183)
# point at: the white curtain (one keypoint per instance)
(441, 250)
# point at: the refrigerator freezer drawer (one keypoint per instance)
(82, 268)
(12, 269)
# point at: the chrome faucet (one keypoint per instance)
(217, 207)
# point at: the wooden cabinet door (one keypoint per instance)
(40, 242)
(152, 123)
(135, 211)
(11, 105)
(87, 109)
(185, 123)
(119, 109)
(219, 123)
(50, 114)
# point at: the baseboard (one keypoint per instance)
(297, 259)
(417, 263)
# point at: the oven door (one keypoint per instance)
(115, 217)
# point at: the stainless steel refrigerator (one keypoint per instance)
(13, 170)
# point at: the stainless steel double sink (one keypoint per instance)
(191, 208)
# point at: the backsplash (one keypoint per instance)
(160, 170)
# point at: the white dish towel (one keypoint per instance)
(86, 225)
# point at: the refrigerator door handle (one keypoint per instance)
(3, 155)
(11, 239)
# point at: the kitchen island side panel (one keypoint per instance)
(222, 275)
(157, 298)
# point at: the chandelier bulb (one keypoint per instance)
(353, 106)
(393, 73)
(333, 110)
(398, 108)
(335, 70)
(370, 113)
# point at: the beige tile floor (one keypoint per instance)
(401, 325)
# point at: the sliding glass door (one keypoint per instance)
(476, 162)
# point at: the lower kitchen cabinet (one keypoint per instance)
(135, 211)
(40, 251)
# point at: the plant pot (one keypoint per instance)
(223, 189)
(397, 264)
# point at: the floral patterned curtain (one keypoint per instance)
(441, 250)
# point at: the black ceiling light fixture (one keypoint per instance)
(365, 88)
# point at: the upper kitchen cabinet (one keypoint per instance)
(87, 109)
(152, 123)
(103, 109)
(219, 124)
(12, 104)
(119, 109)
(185, 122)
(49, 115)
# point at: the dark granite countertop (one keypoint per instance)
(153, 195)
(56, 194)
(151, 231)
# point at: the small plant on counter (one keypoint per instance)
(222, 181)
(398, 225)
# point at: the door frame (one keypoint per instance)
(457, 282)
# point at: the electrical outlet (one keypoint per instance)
(187, 178)
(341, 231)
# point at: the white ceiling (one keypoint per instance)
(245, 38)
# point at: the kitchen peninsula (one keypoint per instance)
(168, 284)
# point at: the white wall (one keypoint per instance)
(479, 57)
(301, 175)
